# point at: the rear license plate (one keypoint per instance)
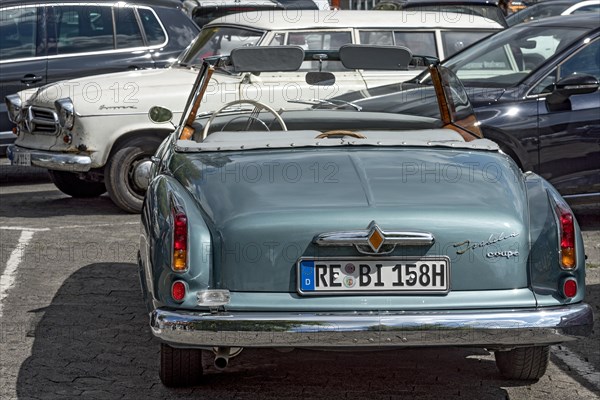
(373, 275)
(23, 159)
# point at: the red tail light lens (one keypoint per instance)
(178, 291)
(180, 240)
(570, 288)
(566, 221)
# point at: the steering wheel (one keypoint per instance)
(258, 107)
(340, 132)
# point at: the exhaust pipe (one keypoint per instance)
(221, 358)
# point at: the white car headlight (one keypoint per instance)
(66, 112)
(13, 104)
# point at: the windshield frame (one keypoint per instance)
(187, 52)
(466, 125)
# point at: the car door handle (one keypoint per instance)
(31, 78)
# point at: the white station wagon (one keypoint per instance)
(93, 134)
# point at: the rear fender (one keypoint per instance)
(544, 263)
(163, 196)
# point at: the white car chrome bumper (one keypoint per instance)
(51, 160)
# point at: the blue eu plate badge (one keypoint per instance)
(307, 275)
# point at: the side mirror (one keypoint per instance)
(159, 115)
(577, 84)
(571, 85)
(320, 78)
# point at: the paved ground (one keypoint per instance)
(72, 324)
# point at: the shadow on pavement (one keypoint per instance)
(53, 203)
(93, 340)
(12, 175)
(586, 348)
(588, 217)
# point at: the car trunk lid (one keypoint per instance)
(265, 210)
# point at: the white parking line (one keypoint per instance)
(7, 279)
(95, 225)
(580, 366)
(22, 228)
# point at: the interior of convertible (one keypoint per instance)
(319, 121)
(324, 128)
(249, 121)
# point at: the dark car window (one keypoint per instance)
(585, 61)
(506, 58)
(421, 43)
(84, 29)
(587, 9)
(455, 41)
(383, 38)
(319, 40)
(314, 40)
(18, 31)
(128, 30)
(154, 32)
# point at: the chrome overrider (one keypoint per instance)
(493, 329)
(53, 160)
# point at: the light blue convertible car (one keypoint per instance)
(336, 227)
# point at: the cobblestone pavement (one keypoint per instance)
(73, 325)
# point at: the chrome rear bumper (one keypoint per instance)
(53, 160)
(477, 328)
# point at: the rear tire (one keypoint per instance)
(525, 363)
(180, 367)
(120, 172)
(69, 183)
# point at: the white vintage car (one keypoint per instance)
(93, 134)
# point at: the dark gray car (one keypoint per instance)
(535, 90)
(44, 42)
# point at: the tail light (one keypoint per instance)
(178, 290)
(569, 288)
(180, 241)
(566, 230)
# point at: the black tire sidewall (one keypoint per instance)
(525, 363)
(180, 367)
(69, 183)
(116, 173)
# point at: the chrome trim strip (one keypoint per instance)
(54, 160)
(87, 53)
(361, 238)
(580, 196)
(115, 114)
(486, 328)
